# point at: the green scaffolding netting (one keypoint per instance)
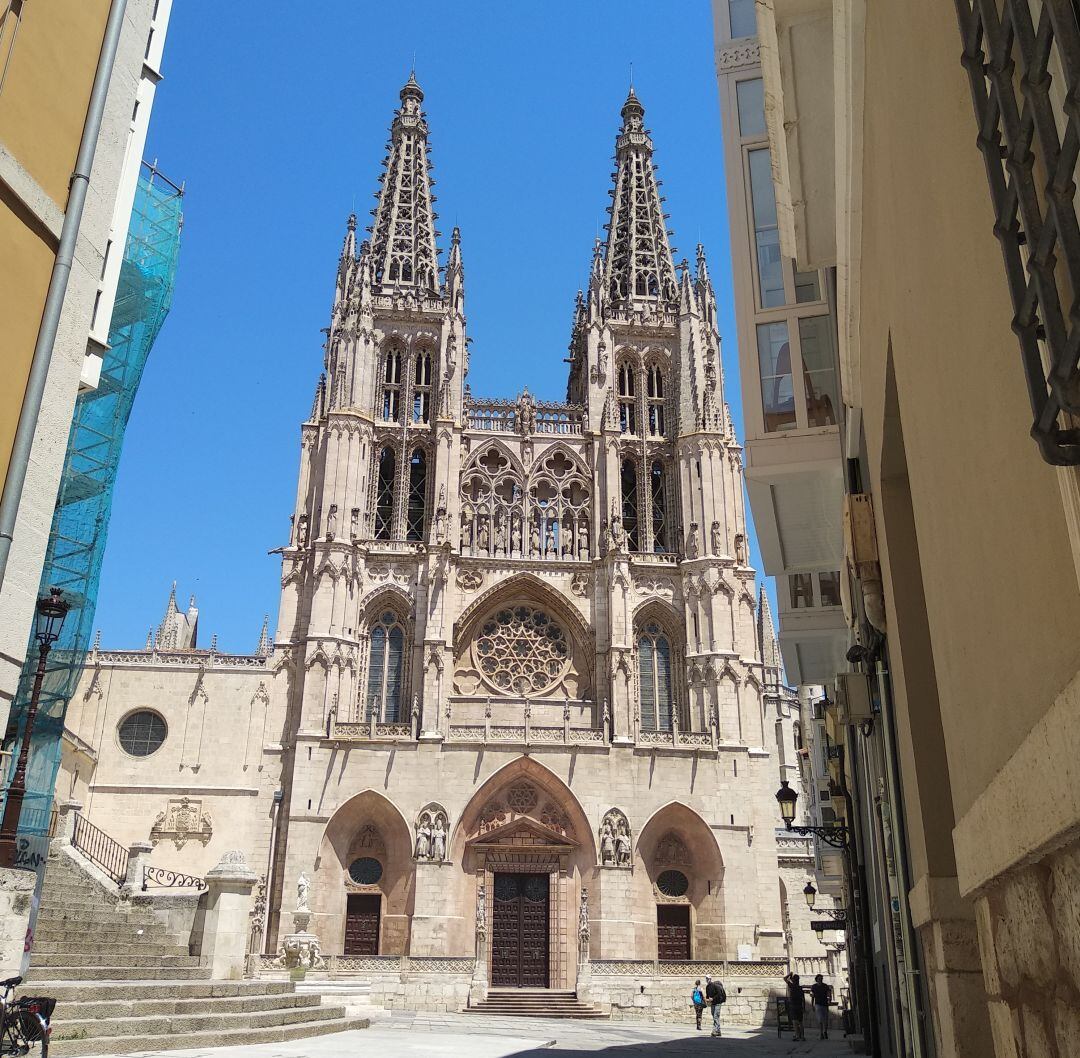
(81, 520)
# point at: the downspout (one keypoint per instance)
(278, 798)
(58, 284)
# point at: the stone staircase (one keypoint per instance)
(534, 1003)
(122, 984)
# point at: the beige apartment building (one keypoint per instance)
(51, 54)
(926, 152)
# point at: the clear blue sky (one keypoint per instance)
(277, 125)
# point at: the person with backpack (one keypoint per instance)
(697, 997)
(716, 997)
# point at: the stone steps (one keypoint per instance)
(534, 1003)
(77, 1048)
(120, 949)
(117, 973)
(99, 963)
(128, 1007)
(74, 990)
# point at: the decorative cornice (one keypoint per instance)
(737, 54)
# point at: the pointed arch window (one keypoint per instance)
(627, 400)
(654, 678)
(386, 668)
(391, 402)
(416, 510)
(655, 398)
(658, 495)
(628, 484)
(384, 494)
(421, 395)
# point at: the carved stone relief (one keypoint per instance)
(615, 843)
(432, 826)
(182, 821)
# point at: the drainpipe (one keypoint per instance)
(58, 284)
(278, 798)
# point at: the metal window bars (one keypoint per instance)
(1014, 52)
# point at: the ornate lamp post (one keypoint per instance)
(786, 797)
(51, 611)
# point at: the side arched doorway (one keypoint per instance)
(526, 843)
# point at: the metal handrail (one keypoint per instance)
(170, 879)
(100, 849)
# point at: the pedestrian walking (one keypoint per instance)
(698, 999)
(796, 1002)
(716, 997)
(821, 994)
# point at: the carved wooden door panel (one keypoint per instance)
(673, 932)
(362, 925)
(519, 935)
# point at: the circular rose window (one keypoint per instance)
(673, 883)
(365, 871)
(521, 650)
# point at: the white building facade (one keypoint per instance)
(514, 715)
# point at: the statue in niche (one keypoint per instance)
(500, 536)
(431, 829)
(549, 542)
(583, 915)
(331, 522)
(515, 536)
(717, 539)
(567, 543)
(692, 541)
(442, 528)
(301, 531)
(303, 888)
(481, 909)
(354, 522)
(607, 845)
(740, 549)
(534, 539)
(467, 527)
(423, 839)
(438, 841)
(622, 845)
(482, 537)
(583, 540)
(618, 537)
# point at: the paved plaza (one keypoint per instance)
(464, 1036)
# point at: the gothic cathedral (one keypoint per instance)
(522, 722)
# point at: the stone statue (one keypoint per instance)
(607, 846)
(515, 537)
(717, 539)
(481, 909)
(534, 539)
(438, 841)
(303, 887)
(466, 527)
(441, 530)
(583, 540)
(354, 522)
(618, 537)
(692, 541)
(605, 538)
(482, 536)
(583, 914)
(423, 839)
(567, 542)
(549, 542)
(331, 522)
(622, 847)
(740, 549)
(301, 532)
(500, 536)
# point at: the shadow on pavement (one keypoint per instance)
(761, 1043)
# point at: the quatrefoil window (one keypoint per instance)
(521, 650)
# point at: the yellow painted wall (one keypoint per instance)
(42, 110)
(1001, 595)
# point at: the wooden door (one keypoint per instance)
(520, 931)
(673, 932)
(362, 925)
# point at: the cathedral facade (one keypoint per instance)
(517, 707)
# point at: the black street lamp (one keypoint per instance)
(786, 797)
(51, 611)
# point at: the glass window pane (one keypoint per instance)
(766, 233)
(819, 370)
(647, 683)
(801, 586)
(743, 20)
(806, 287)
(750, 96)
(777, 392)
(829, 586)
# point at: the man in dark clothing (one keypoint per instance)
(716, 997)
(796, 1004)
(821, 994)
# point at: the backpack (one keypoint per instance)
(697, 998)
(723, 995)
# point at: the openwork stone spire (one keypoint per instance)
(638, 263)
(403, 235)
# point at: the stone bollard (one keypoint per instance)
(65, 827)
(16, 898)
(138, 854)
(227, 922)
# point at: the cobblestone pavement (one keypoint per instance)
(412, 1035)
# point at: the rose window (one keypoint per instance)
(521, 650)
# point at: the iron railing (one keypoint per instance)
(100, 849)
(170, 879)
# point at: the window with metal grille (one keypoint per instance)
(417, 508)
(391, 405)
(654, 377)
(1023, 64)
(659, 506)
(142, 733)
(384, 495)
(628, 481)
(421, 396)
(627, 411)
(654, 678)
(386, 666)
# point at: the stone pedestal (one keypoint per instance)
(138, 854)
(16, 900)
(301, 948)
(478, 987)
(65, 827)
(228, 910)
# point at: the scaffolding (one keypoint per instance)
(80, 521)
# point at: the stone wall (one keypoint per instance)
(1029, 937)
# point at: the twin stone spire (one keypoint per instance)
(402, 256)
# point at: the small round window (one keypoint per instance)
(142, 733)
(672, 883)
(365, 871)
